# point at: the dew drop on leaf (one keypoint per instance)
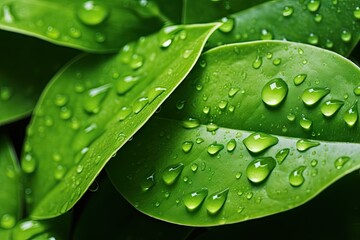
(311, 96)
(351, 115)
(249, 195)
(330, 107)
(313, 39)
(187, 146)
(274, 92)
(172, 173)
(191, 123)
(346, 36)
(318, 17)
(357, 13)
(211, 127)
(305, 123)
(193, 200)
(313, 5)
(154, 93)
(303, 145)
(222, 104)
(231, 145)
(194, 167)
(257, 62)
(148, 182)
(59, 172)
(266, 35)
(291, 117)
(7, 221)
(276, 61)
(340, 162)
(206, 109)
(74, 33)
(287, 11)
(314, 162)
(299, 79)
(296, 177)
(357, 91)
(258, 142)
(140, 104)
(215, 202)
(125, 83)
(123, 113)
(281, 155)
(228, 25)
(8, 16)
(214, 148)
(232, 92)
(259, 169)
(52, 32)
(137, 61)
(28, 164)
(60, 100)
(94, 98)
(92, 13)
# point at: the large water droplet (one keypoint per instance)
(357, 13)
(257, 63)
(94, 97)
(206, 109)
(191, 123)
(228, 25)
(193, 200)
(346, 36)
(233, 91)
(330, 107)
(313, 5)
(296, 177)
(357, 91)
(172, 173)
(259, 169)
(187, 146)
(7, 221)
(211, 127)
(258, 142)
(222, 104)
(92, 13)
(125, 83)
(148, 182)
(313, 95)
(287, 11)
(28, 164)
(123, 113)
(282, 154)
(216, 201)
(154, 93)
(215, 148)
(340, 162)
(303, 145)
(351, 115)
(305, 123)
(231, 145)
(291, 117)
(274, 92)
(299, 79)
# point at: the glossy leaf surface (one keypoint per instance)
(95, 26)
(11, 188)
(94, 105)
(328, 24)
(248, 159)
(24, 72)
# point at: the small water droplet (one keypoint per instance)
(7, 221)
(282, 154)
(79, 168)
(199, 140)
(299, 79)
(318, 17)
(215, 148)
(74, 33)
(125, 83)
(296, 177)
(259, 169)
(52, 32)
(313, 39)
(313, 5)
(232, 92)
(276, 61)
(258, 142)
(351, 115)
(194, 167)
(228, 25)
(206, 109)
(314, 162)
(172, 173)
(28, 164)
(211, 127)
(187, 146)
(346, 36)
(249, 195)
(303, 145)
(193, 200)
(191, 123)
(148, 182)
(274, 92)
(266, 35)
(187, 53)
(357, 13)
(140, 104)
(94, 98)
(5, 93)
(231, 145)
(123, 113)
(257, 63)
(329, 44)
(330, 107)
(199, 87)
(238, 175)
(215, 202)
(92, 13)
(287, 11)
(340, 162)
(311, 96)
(154, 93)
(222, 104)
(136, 62)
(357, 91)
(59, 172)
(203, 63)
(60, 100)
(305, 123)
(291, 117)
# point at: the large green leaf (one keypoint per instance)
(208, 10)
(95, 26)
(328, 24)
(232, 142)
(93, 223)
(11, 188)
(20, 89)
(94, 105)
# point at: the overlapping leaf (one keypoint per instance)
(94, 105)
(95, 26)
(333, 25)
(256, 129)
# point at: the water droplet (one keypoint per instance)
(28, 164)
(187, 53)
(282, 154)
(52, 32)
(216, 201)
(233, 91)
(167, 35)
(228, 25)
(351, 115)
(8, 16)
(318, 17)
(257, 63)
(92, 13)
(215, 148)
(231, 108)
(340, 162)
(94, 97)
(7, 221)
(211, 127)
(346, 36)
(137, 61)
(79, 168)
(191, 123)
(299, 79)
(139, 104)
(199, 140)
(199, 87)
(249, 195)
(259, 169)
(357, 13)
(296, 177)
(329, 44)
(59, 172)
(180, 104)
(311, 96)
(123, 113)
(125, 83)
(187, 146)
(86, 137)
(222, 104)
(206, 109)
(74, 33)
(303, 145)
(276, 61)
(313, 39)
(194, 200)
(291, 117)
(148, 182)
(330, 107)
(305, 123)
(172, 173)
(314, 162)
(258, 142)
(313, 5)
(60, 100)
(203, 63)
(274, 92)
(154, 93)
(287, 11)
(231, 145)
(5, 93)
(194, 167)
(357, 91)
(266, 35)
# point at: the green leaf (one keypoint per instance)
(94, 26)
(332, 24)
(211, 10)
(11, 187)
(94, 223)
(225, 155)
(171, 11)
(94, 105)
(24, 72)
